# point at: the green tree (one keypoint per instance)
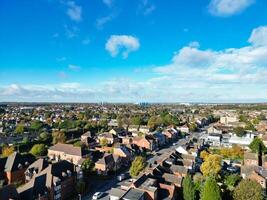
(44, 136)
(243, 118)
(36, 126)
(20, 128)
(250, 126)
(137, 120)
(211, 166)
(188, 188)
(248, 190)
(239, 131)
(137, 166)
(210, 190)
(38, 150)
(58, 137)
(232, 180)
(87, 166)
(257, 146)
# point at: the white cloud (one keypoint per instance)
(226, 8)
(100, 22)
(229, 66)
(259, 36)
(74, 67)
(124, 43)
(146, 7)
(74, 11)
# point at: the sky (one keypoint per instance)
(133, 51)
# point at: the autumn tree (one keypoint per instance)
(137, 166)
(7, 150)
(204, 154)
(188, 188)
(248, 190)
(211, 165)
(211, 190)
(58, 137)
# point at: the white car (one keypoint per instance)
(97, 195)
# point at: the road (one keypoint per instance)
(106, 185)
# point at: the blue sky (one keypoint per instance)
(133, 51)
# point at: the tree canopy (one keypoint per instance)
(58, 137)
(211, 165)
(38, 150)
(87, 166)
(137, 166)
(248, 190)
(210, 190)
(257, 146)
(7, 150)
(20, 128)
(239, 131)
(188, 188)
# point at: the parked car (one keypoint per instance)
(122, 177)
(97, 195)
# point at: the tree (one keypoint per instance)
(103, 141)
(137, 166)
(204, 154)
(248, 190)
(7, 150)
(137, 120)
(257, 146)
(87, 166)
(188, 188)
(58, 137)
(44, 136)
(20, 128)
(250, 126)
(211, 166)
(38, 150)
(211, 190)
(232, 180)
(36, 126)
(239, 131)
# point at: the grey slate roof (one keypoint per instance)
(9, 192)
(133, 194)
(15, 160)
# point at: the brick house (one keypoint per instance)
(251, 158)
(15, 166)
(88, 140)
(55, 182)
(105, 164)
(111, 138)
(146, 142)
(67, 152)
